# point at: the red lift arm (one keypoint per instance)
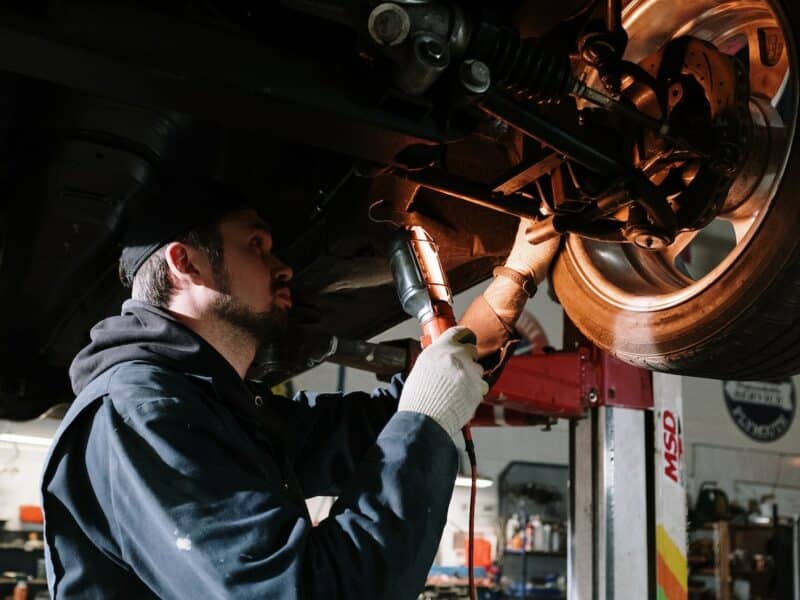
(563, 385)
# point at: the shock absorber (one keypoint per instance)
(533, 70)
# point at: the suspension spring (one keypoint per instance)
(527, 68)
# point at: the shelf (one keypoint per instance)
(742, 527)
(750, 573)
(534, 553)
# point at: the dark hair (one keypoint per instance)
(152, 283)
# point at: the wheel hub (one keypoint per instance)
(754, 35)
(702, 94)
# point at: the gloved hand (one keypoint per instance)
(446, 383)
(532, 260)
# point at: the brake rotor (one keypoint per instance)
(702, 94)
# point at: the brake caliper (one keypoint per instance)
(702, 94)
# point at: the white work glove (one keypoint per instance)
(446, 383)
(532, 260)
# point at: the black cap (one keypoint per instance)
(161, 214)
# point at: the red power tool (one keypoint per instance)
(425, 295)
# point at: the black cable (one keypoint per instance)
(473, 463)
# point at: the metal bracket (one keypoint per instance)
(566, 384)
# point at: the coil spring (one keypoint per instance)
(527, 68)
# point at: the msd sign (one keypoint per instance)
(672, 439)
(671, 564)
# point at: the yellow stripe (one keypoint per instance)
(672, 556)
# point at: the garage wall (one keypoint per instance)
(717, 450)
(21, 466)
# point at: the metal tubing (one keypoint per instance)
(548, 133)
(614, 15)
(512, 204)
(543, 230)
(551, 227)
(530, 174)
(381, 359)
(796, 555)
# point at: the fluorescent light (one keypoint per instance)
(32, 440)
(481, 482)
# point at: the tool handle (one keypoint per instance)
(442, 320)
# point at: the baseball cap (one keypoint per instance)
(162, 213)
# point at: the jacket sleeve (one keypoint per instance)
(337, 429)
(335, 432)
(200, 513)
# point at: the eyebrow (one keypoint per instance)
(260, 226)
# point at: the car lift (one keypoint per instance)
(627, 505)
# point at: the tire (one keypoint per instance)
(744, 323)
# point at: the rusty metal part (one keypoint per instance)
(528, 174)
(603, 49)
(702, 93)
(583, 91)
(637, 280)
(647, 238)
(475, 193)
(548, 133)
(711, 69)
(553, 226)
(757, 174)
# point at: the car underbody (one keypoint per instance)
(340, 121)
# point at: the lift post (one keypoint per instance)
(627, 505)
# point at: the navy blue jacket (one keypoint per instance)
(168, 478)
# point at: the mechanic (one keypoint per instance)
(170, 478)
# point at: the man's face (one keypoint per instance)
(254, 284)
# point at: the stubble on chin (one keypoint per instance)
(262, 326)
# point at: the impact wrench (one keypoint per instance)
(425, 295)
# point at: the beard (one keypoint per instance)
(261, 325)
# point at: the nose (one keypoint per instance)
(280, 270)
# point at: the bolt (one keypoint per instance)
(648, 238)
(651, 242)
(727, 159)
(431, 49)
(475, 76)
(388, 24)
(593, 396)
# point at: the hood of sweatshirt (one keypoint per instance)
(145, 332)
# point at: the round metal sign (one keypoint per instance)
(763, 410)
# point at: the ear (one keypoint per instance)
(187, 265)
